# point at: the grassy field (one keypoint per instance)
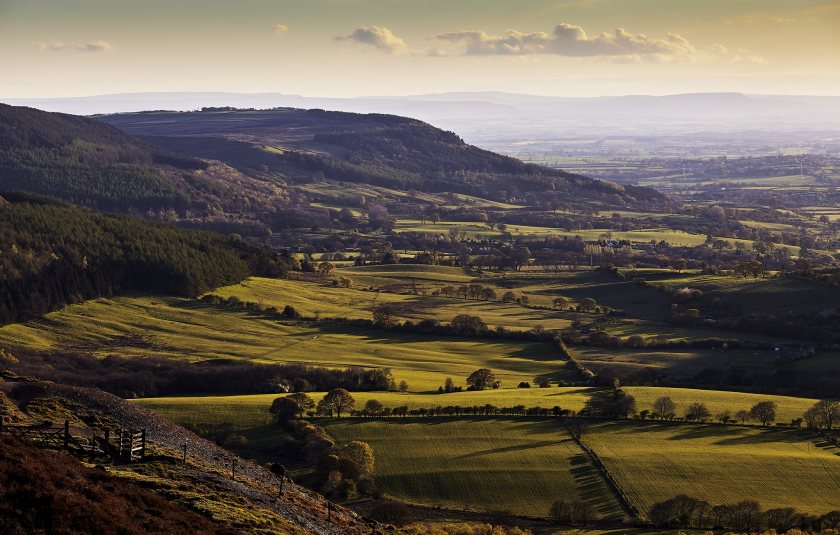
(517, 465)
(775, 296)
(317, 299)
(779, 468)
(191, 330)
(680, 361)
(646, 308)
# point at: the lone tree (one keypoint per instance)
(542, 381)
(587, 304)
(337, 401)
(468, 324)
(303, 402)
(697, 412)
(373, 407)
(823, 415)
(283, 409)
(560, 302)
(481, 379)
(764, 412)
(625, 406)
(664, 408)
(361, 454)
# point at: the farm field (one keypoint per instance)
(679, 361)
(191, 330)
(317, 299)
(247, 411)
(523, 464)
(646, 308)
(478, 231)
(779, 468)
(517, 464)
(774, 295)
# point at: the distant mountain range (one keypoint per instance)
(728, 123)
(453, 105)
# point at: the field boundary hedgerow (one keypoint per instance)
(611, 481)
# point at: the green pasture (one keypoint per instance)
(720, 464)
(191, 330)
(516, 465)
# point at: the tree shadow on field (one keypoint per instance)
(507, 449)
(535, 352)
(587, 391)
(698, 431)
(769, 436)
(591, 486)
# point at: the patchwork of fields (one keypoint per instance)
(191, 330)
(523, 464)
(492, 464)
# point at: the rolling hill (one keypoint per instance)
(87, 162)
(47, 488)
(382, 150)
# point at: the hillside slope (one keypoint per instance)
(382, 150)
(200, 490)
(87, 162)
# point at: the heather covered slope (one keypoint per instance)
(199, 491)
(382, 150)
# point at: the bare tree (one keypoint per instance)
(664, 408)
(764, 412)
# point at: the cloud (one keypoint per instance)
(745, 56)
(53, 46)
(95, 46)
(570, 40)
(378, 37)
(280, 29)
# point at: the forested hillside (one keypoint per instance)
(90, 163)
(382, 150)
(85, 161)
(52, 254)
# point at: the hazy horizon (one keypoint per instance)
(364, 48)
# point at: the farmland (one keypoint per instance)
(250, 411)
(191, 330)
(491, 465)
(779, 468)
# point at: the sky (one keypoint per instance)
(347, 48)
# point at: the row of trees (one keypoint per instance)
(159, 376)
(338, 401)
(664, 408)
(685, 512)
(340, 469)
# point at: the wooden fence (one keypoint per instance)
(125, 445)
